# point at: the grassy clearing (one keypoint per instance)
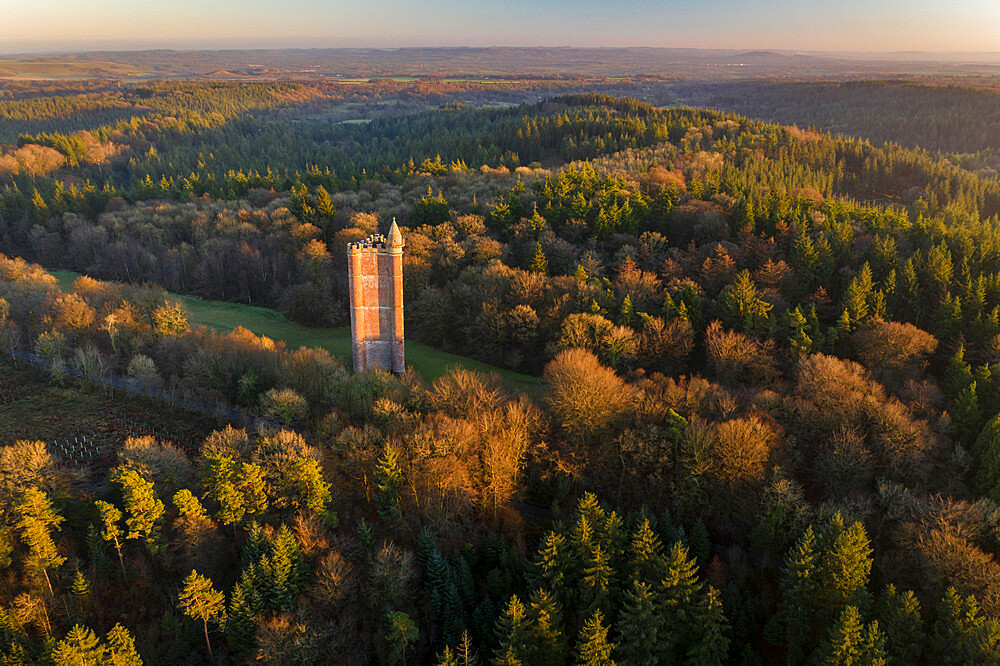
(223, 316)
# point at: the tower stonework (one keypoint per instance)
(375, 274)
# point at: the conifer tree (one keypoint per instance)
(908, 294)
(447, 658)
(121, 648)
(239, 489)
(645, 553)
(465, 653)
(641, 630)
(400, 632)
(710, 643)
(858, 296)
(546, 642)
(987, 454)
(388, 483)
(201, 601)
(799, 341)
(305, 489)
(628, 313)
(512, 633)
(37, 519)
(539, 264)
(188, 505)
(593, 647)
(554, 566)
(111, 531)
(145, 511)
(851, 643)
(799, 587)
(81, 646)
(282, 570)
(804, 257)
(244, 605)
(898, 614)
(958, 375)
(742, 308)
(39, 209)
(968, 416)
(324, 212)
(80, 590)
(844, 567)
(595, 585)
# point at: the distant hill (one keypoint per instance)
(483, 62)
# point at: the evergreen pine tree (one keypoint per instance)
(593, 647)
(742, 308)
(80, 590)
(37, 519)
(709, 643)
(645, 553)
(144, 510)
(400, 632)
(595, 584)
(81, 646)
(899, 616)
(244, 605)
(539, 264)
(628, 314)
(799, 588)
(858, 296)
(640, 634)
(844, 567)
(111, 531)
(554, 567)
(201, 601)
(121, 648)
(968, 416)
(547, 644)
(388, 483)
(447, 658)
(512, 634)
(844, 646)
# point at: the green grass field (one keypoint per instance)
(223, 316)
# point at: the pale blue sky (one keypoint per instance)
(870, 25)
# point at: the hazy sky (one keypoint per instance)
(871, 25)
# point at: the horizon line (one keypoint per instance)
(400, 47)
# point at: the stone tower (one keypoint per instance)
(375, 274)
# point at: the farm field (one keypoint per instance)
(223, 316)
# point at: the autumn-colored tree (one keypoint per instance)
(37, 519)
(586, 398)
(201, 601)
(144, 509)
(111, 531)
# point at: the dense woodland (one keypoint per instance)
(767, 431)
(957, 118)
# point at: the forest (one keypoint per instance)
(956, 118)
(767, 426)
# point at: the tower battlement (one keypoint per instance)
(375, 274)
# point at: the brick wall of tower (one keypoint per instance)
(375, 274)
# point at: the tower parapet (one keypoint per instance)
(375, 274)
